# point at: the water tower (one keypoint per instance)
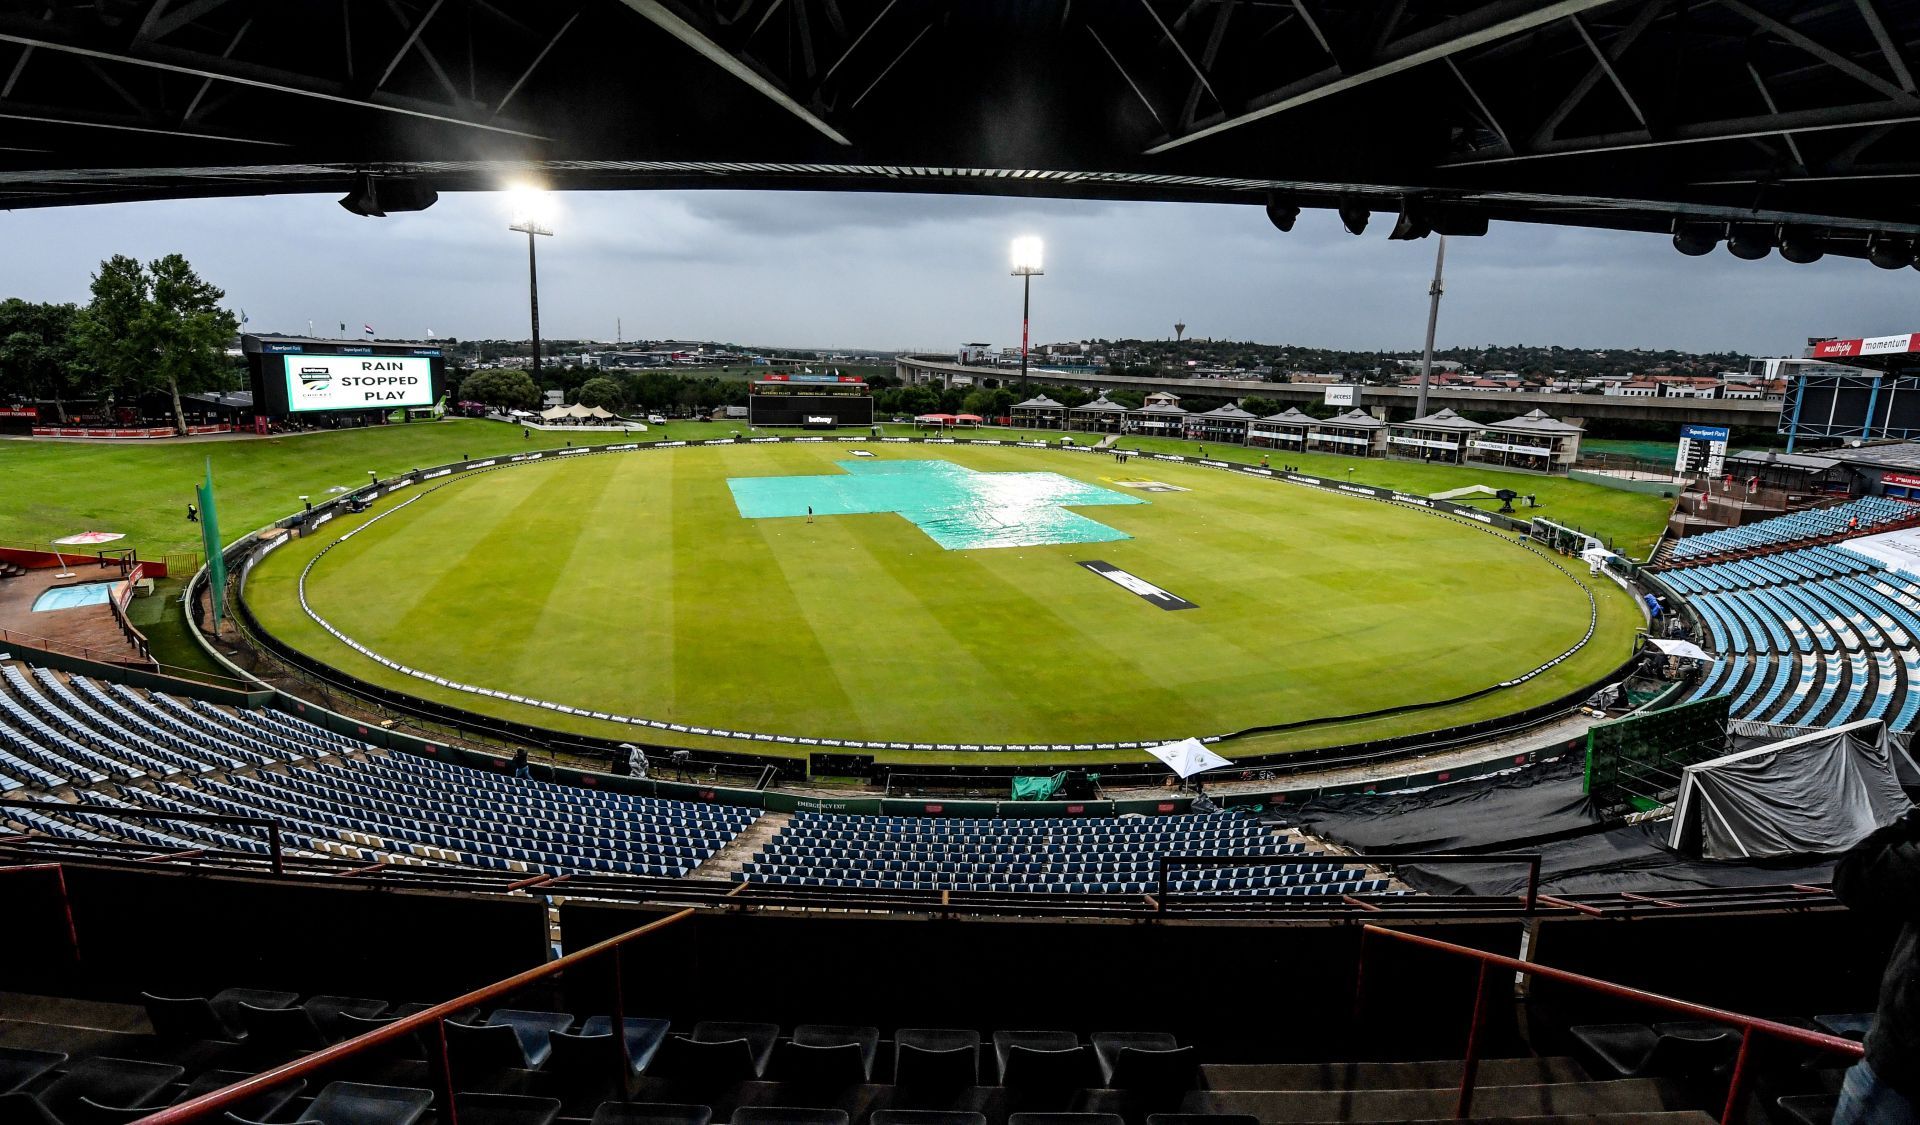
(1179, 330)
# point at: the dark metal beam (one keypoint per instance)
(1215, 36)
(1184, 57)
(1606, 65)
(159, 24)
(534, 65)
(1773, 107)
(1818, 50)
(1616, 49)
(413, 36)
(1889, 50)
(193, 105)
(1131, 84)
(70, 118)
(857, 40)
(678, 26)
(1733, 129)
(1319, 35)
(1493, 22)
(426, 53)
(273, 79)
(1486, 114)
(888, 69)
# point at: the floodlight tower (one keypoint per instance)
(531, 216)
(1026, 265)
(1433, 321)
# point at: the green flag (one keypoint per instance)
(210, 539)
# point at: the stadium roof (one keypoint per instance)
(1536, 421)
(1231, 412)
(1442, 420)
(1355, 419)
(1099, 405)
(1903, 455)
(1632, 114)
(1038, 402)
(1292, 415)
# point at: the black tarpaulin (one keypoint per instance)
(1486, 814)
(1817, 794)
(1633, 858)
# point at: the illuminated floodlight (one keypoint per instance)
(531, 209)
(1027, 256)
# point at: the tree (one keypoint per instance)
(602, 391)
(502, 387)
(153, 327)
(37, 355)
(108, 328)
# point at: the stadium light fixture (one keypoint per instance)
(1889, 252)
(1751, 241)
(1027, 258)
(532, 211)
(1282, 212)
(1354, 216)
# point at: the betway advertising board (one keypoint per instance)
(357, 382)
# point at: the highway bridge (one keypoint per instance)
(1398, 401)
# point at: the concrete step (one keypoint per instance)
(726, 862)
(1435, 1074)
(1294, 1107)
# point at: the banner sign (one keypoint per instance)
(1870, 345)
(1342, 394)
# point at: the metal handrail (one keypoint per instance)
(272, 826)
(199, 1108)
(1532, 859)
(1749, 1025)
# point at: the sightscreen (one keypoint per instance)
(357, 382)
(812, 410)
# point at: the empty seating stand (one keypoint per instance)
(1866, 513)
(1082, 855)
(1812, 637)
(108, 747)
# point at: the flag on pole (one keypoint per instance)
(367, 328)
(210, 540)
(343, 328)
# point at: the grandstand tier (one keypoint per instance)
(1812, 636)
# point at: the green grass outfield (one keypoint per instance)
(630, 583)
(54, 488)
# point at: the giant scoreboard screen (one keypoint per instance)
(816, 402)
(317, 376)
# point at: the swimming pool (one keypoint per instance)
(70, 597)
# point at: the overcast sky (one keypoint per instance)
(810, 269)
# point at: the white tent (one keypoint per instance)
(1686, 650)
(1188, 757)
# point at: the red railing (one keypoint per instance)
(207, 1106)
(1749, 1026)
(62, 808)
(66, 903)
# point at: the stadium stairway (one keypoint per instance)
(727, 862)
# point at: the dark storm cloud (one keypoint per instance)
(886, 271)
